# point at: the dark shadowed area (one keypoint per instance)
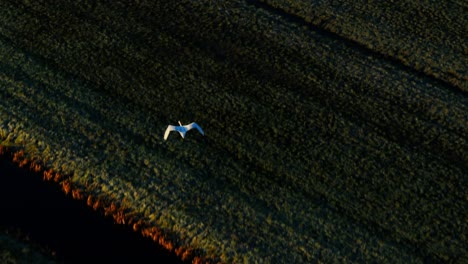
(65, 227)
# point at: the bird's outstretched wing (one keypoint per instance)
(168, 130)
(195, 125)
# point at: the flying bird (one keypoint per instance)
(182, 129)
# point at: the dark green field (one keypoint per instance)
(335, 131)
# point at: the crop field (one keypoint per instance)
(335, 132)
(427, 36)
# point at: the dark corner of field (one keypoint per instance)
(68, 228)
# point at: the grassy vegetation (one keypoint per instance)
(427, 36)
(314, 149)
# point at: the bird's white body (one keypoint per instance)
(182, 129)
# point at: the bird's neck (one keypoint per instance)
(180, 123)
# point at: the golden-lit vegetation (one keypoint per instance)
(325, 139)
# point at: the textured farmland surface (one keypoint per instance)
(314, 149)
(427, 36)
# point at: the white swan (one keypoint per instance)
(182, 129)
